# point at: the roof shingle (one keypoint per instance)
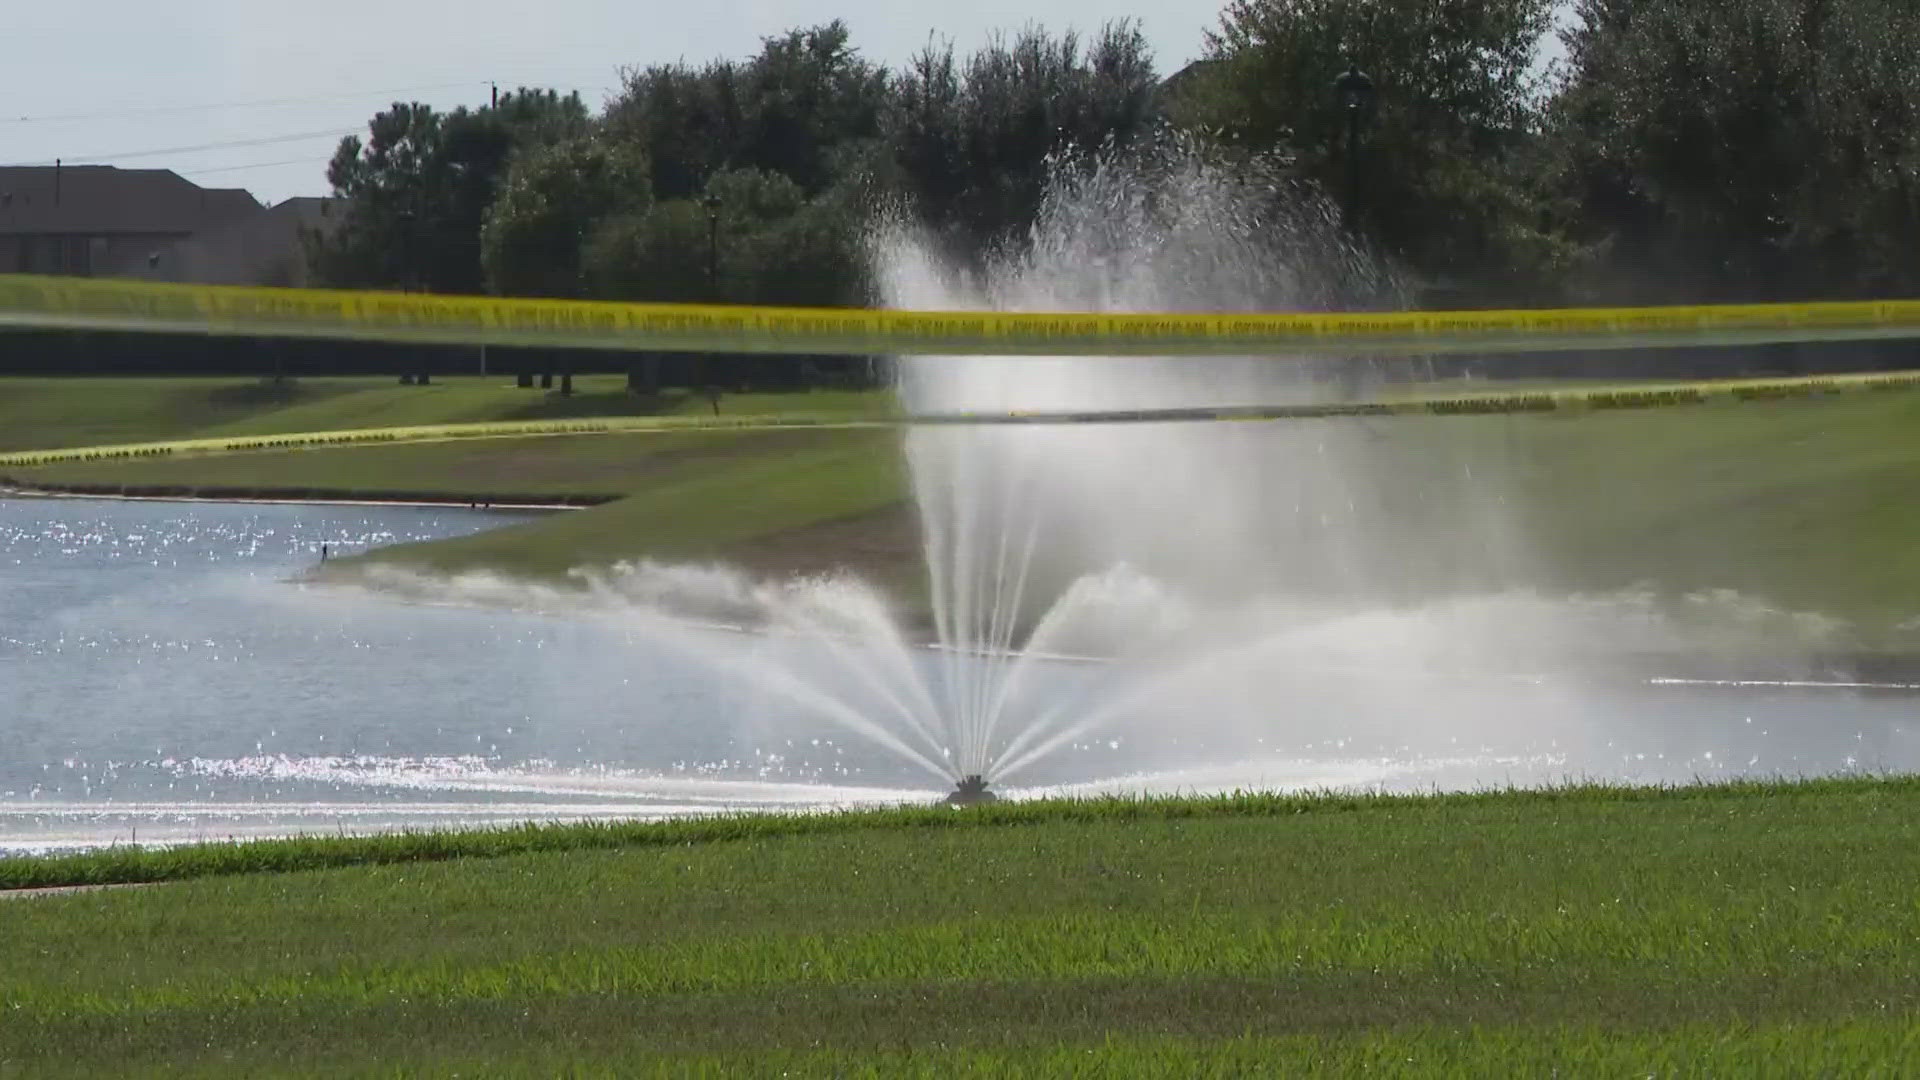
(100, 200)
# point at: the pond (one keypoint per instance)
(165, 677)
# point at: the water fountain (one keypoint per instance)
(1138, 546)
(1171, 607)
(972, 791)
(1031, 535)
(1311, 603)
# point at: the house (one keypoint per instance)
(265, 248)
(102, 221)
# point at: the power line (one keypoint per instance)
(79, 159)
(162, 110)
(242, 168)
(334, 133)
(358, 95)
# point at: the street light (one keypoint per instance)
(409, 241)
(712, 203)
(411, 280)
(1354, 91)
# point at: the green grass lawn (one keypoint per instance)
(1744, 930)
(49, 413)
(609, 464)
(1811, 505)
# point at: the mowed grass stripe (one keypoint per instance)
(551, 464)
(1183, 929)
(382, 436)
(874, 1018)
(1848, 1048)
(39, 413)
(1619, 946)
(131, 863)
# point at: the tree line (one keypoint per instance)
(1681, 151)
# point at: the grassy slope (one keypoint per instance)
(1721, 930)
(709, 505)
(1813, 504)
(39, 414)
(1807, 504)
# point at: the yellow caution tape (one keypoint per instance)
(1619, 398)
(88, 303)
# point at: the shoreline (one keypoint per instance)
(122, 865)
(266, 496)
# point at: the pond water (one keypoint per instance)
(164, 677)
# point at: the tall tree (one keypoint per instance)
(659, 254)
(418, 186)
(755, 231)
(971, 143)
(1766, 150)
(1455, 89)
(553, 196)
(798, 108)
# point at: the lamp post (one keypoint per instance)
(712, 203)
(1354, 91)
(409, 224)
(410, 277)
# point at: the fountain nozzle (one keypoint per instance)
(972, 791)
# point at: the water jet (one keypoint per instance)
(1244, 586)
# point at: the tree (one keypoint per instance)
(1454, 107)
(809, 98)
(659, 255)
(418, 187)
(1766, 150)
(810, 256)
(532, 239)
(971, 145)
(798, 108)
(771, 244)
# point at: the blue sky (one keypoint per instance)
(137, 83)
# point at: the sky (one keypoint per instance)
(257, 94)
